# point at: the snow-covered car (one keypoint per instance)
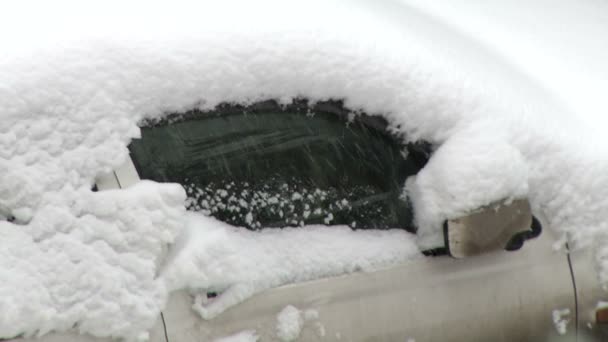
(271, 165)
(331, 171)
(343, 171)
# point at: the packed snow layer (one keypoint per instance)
(73, 88)
(237, 263)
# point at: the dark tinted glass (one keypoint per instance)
(267, 165)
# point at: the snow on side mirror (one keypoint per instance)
(494, 227)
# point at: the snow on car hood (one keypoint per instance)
(75, 85)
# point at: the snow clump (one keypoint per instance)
(561, 320)
(289, 323)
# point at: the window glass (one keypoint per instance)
(267, 165)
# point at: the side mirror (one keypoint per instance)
(494, 227)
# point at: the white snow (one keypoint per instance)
(566, 53)
(216, 257)
(562, 48)
(88, 260)
(561, 320)
(73, 88)
(311, 314)
(243, 336)
(289, 323)
(601, 304)
(320, 329)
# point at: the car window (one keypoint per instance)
(272, 165)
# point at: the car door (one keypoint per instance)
(500, 295)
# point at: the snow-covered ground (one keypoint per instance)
(76, 79)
